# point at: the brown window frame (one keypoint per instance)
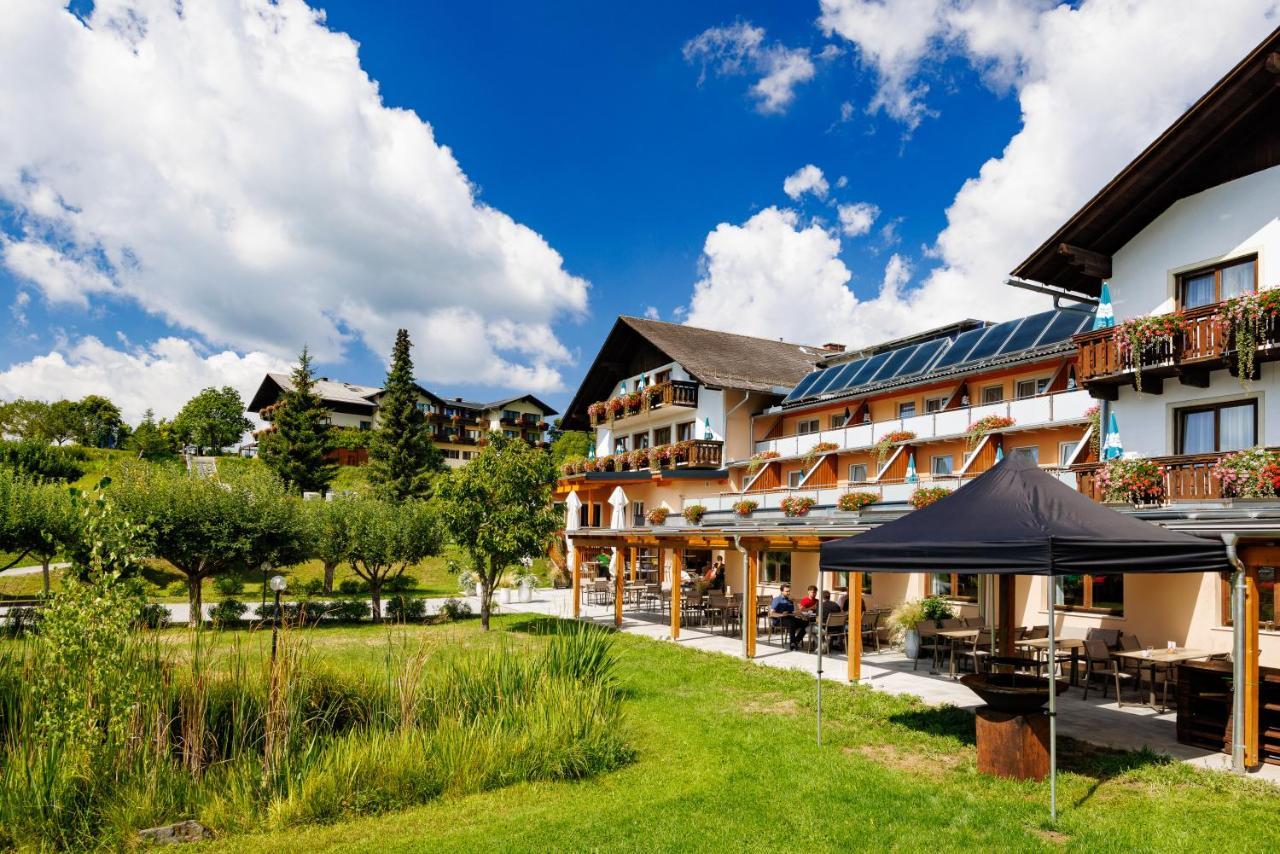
(1179, 428)
(955, 585)
(815, 422)
(1087, 607)
(661, 435)
(903, 405)
(1224, 586)
(1180, 297)
(684, 431)
(982, 395)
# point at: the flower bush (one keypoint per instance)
(638, 459)
(797, 505)
(657, 515)
(984, 425)
(1248, 474)
(745, 507)
(1137, 334)
(754, 464)
(1094, 414)
(887, 441)
(811, 456)
(926, 495)
(1242, 319)
(856, 500)
(693, 513)
(597, 410)
(1138, 481)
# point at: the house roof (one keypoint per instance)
(1232, 131)
(330, 391)
(717, 359)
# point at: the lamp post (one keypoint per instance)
(277, 584)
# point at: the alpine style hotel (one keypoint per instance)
(712, 446)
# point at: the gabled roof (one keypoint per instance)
(1232, 131)
(717, 359)
(330, 391)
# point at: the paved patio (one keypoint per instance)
(1096, 720)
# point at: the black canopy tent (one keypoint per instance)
(1018, 520)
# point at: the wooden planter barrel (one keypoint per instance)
(1012, 744)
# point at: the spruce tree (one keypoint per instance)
(295, 450)
(402, 458)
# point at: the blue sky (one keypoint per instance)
(589, 126)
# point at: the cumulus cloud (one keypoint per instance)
(856, 219)
(651, 312)
(162, 376)
(1090, 101)
(806, 179)
(740, 49)
(230, 167)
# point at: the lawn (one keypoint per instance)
(726, 760)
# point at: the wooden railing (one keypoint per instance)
(657, 396)
(1187, 477)
(706, 453)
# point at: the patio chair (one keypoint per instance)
(1098, 664)
(870, 632)
(835, 631)
(717, 608)
(941, 645)
(977, 651)
(693, 607)
(651, 597)
(1110, 637)
(928, 644)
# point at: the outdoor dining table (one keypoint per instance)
(1073, 644)
(1156, 657)
(631, 593)
(954, 635)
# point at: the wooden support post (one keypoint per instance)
(751, 569)
(1005, 608)
(1251, 653)
(577, 582)
(677, 570)
(635, 564)
(662, 570)
(853, 627)
(619, 582)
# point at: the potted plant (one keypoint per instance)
(887, 441)
(657, 516)
(468, 581)
(904, 624)
(797, 505)
(745, 507)
(926, 495)
(693, 513)
(1094, 414)
(811, 456)
(754, 464)
(1247, 474)
(638, 459)
(984, 425)
(525, 581)
(1243, 320)
(507, 591)
(852, 502)
(1131, 481)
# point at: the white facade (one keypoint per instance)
(709, 415)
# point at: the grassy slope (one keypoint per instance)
(726, 760)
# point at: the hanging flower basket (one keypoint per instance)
(745, 507)
(693, 513)
(797, 505)
(756, 462)
(1136, 481)
(811, 456)
(1094, 414)
(657, 515)
(1243, 320)
(638, 459)
(615, 405)
(926, 495)
(652, 396)
(854, 501)
(1248, 474)
(1139, 339)
(984, 425)
(887, 441)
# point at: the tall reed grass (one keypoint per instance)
(205, 740)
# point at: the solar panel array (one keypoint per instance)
(943, 354)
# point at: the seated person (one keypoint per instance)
(844, 600)
(828, 605)
(717, 577)
(810, 600)
(785, 609)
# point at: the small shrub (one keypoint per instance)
(20, 620)
(177, 588)
(353, 586)
(454, 609)
(229, 612)
(349, 611)
(313, 587)
(400, 584)
(43, 461)
(936, 609)
(153, 616)
(308, 612)
(229, 585)
(404, 609)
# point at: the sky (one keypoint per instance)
(191, 192)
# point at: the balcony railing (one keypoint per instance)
(657, 396)
(1044, 410)
(1204, 345)
(1187, 477)
(694, 454)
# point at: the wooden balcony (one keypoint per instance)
(1102, 365)
(657, 396)
(696, 454)
(1188, 477)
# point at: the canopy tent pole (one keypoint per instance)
(821, 587)
(1053, 706)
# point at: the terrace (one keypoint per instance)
(663, 395)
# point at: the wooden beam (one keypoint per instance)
(577, 581)
(1103, 391)
(1087, 261)
(677, 572)
(662, 569)
(635, 564)
(1150, 385)
(618, 577)
(751, 568)
(853, 638)
(1005, 599)
(1194, 377)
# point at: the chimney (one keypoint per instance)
(457, 400)
(834, 348)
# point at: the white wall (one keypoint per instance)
(1146, 420)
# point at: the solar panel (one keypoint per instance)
(1028, 333)
(960, 348)
(1067, 323)
(866, 367)
(993, 340)
(800, 390)
(839, 376)
(893, 366)
(922, 357)
(869, 370)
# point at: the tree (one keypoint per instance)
(295, 450)
(329, 534)
(25, 419)
(402, 459)
(97, 422)
(207, 527)
(44, 523)
(498, 508)
(571, 445)
(212, 420)
(149, 440)
(62, 422)
(387, 538)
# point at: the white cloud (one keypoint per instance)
(806, 179)
(856, 219)
(163, 377)
(651, 312)
(740, 48)
(842, 182)
(230, 167)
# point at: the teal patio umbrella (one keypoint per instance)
(912, 477)
(1105, 316)
(1111, 447)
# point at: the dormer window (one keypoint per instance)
(1218, 283)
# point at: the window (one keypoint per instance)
(934, 404)
(808, 426)
(450, 454)
(1217, 428)
(366, 425)
(1218, 283)
(620, 445)
(637, 515)
(906, 410)
(777, 567)
(794, 478)
(1031, 388)
(1030, 453)
(858, 473)
(662, 376)
(640, 440)
(1266, 599)
(1102, 594)
(684, 432)
(942, 465)
(842, 581)
(953, 585)
(993, 394)
(510, 434)
(423, 407)
(662, 436)
(837, 421)
(1066, 450)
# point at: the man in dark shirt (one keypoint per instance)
(785, 609)
(826, 607)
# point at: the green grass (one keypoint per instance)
(726, 760)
